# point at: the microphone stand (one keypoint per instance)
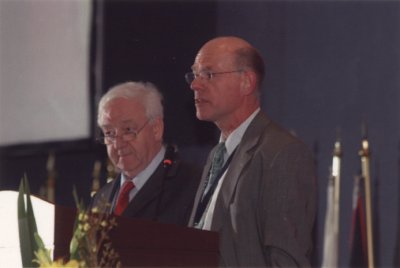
(167, 163)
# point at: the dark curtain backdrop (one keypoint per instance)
(333, 65)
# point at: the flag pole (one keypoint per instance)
(96, 177)
(331, 236)
(365, 171)
(336, 167)
(51, 178)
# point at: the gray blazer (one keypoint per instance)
(266, 207)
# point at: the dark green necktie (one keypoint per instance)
(216, 165)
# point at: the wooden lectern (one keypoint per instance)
(146, 243)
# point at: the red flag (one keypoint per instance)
(358, 238)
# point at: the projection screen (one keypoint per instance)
(44, 70)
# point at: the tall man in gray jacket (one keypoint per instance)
(258, 188)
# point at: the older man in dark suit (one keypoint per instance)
(258, 188)
(154, 183)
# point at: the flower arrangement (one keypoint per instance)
(90, 244)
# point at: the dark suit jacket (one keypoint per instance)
(166, 197)
(266, 207)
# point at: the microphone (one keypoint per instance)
(169, 156)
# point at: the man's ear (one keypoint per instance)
(249, 82)
(158, 128)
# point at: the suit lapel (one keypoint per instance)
(201, 187)
(150, 191)
(239, 162)
(109, 192)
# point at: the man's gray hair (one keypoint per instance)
(146, 92)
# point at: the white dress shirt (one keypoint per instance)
(231, 143)
(144, 175)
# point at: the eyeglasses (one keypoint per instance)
(205, 75)
(128, 134)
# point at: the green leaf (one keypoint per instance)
(79, 203)
(27, 225)
(42, 253)
(39, 241)
(77, 235)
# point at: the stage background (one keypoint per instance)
(330, 65)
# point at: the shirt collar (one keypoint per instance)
(236, 136)
(145, 174)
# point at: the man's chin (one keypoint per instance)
(124, 167)
(128, 169)
(203, 116)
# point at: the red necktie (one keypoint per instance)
(123, 198)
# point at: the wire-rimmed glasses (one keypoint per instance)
(205, 75)
(128, 134)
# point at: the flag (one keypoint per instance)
(314, 258)
(358, 237)
(331, 232)
(375, 215)
(396, 258)
(396, 262)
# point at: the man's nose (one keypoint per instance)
(119, 141)
(197, 84)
